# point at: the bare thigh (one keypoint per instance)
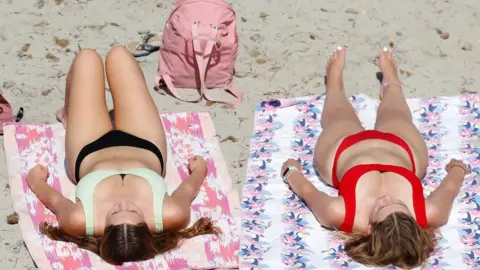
(135, 111)
(85, 104)
(327, 145)
(408, 131)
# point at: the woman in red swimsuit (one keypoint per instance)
(377, 173)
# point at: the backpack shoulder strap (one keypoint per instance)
(169, 84)
(202, 59)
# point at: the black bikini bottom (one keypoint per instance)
(116, 138)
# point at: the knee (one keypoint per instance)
(87, 56)
(393, 115)
(117, 52)
(336, 116)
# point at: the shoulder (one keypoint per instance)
(73, 222)
(330, 213)
(337, 211)
(176, 213)
(436, 216)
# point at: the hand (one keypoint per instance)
(457, 163)
(37, 174)
(290, 162)
(197, 164)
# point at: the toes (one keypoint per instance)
(337, 52)
(60, 114)
(341, 51)
(387, 53)
(333, 55)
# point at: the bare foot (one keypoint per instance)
(388, 66)
(335, 67)
(61, 117)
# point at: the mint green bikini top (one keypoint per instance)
(87, 185)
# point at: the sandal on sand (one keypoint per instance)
(149, 44)
(6, 112)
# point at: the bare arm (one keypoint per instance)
(176, 215)
(189, 188)
(51, 198)
(439, 203)
(321, 204)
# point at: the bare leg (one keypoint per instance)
(394, 104)
(337, 107)
(85, 110)
(394, 115)
(135, 111)
(338, 116)
(61, 114)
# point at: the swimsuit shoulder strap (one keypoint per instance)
(347, 189)
(159, 189)
(84, 192)
(418, 200)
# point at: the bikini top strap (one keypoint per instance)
(418, 200)
(85, 191)
(347, 190)
(159, 190)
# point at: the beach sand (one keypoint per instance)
(282, 53)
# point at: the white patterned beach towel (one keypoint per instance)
(279, 232)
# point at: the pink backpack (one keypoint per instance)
(199, 49)
(6, 112)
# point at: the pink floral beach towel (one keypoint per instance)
(187, 134)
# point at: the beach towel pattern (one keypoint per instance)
(187, 134)
(280, 232)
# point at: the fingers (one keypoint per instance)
(195, 158)
(456, 162)
(41, 167)
(44, 169)
(290, 161)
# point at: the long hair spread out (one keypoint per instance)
(397, 240)
(130, 243)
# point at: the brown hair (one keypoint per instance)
(397, 240)
(130, 243)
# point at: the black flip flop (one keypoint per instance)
(144, 48)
